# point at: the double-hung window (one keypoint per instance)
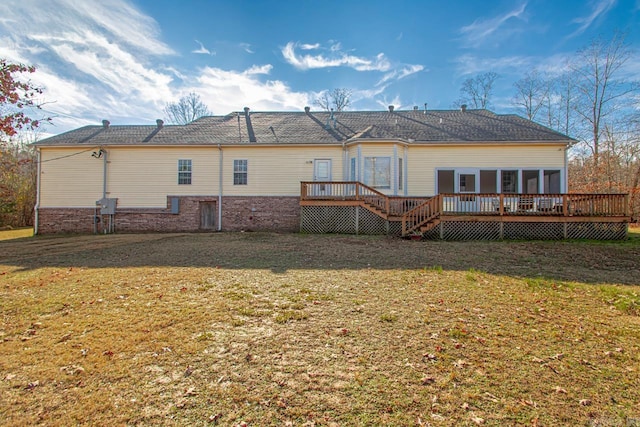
(240, 172)
(184, 171)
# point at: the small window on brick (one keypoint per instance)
(240, 172)
(184, 171)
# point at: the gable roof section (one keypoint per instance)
(282, 128)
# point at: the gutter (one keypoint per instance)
(220, 191)
(36, 208)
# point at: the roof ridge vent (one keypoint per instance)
(391, 107)
(463, 107)
(105, 124)
(160, 123)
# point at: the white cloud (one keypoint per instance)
(117, 18)
(599, 8)
(246, 47)
(400, 74)
(480, 30)
(396, 102)
(306, 46)
(225, 91)
(467, 65)
(335, 59)
(109, 64)
(259, 69)
(470, 64)
(409, 70)
(202, 50)
(100, 59)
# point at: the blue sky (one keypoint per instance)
(123, 60)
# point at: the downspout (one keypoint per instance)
(104, 173)
(220, 191)
(566, 169)
(345, 162)
(36, 208)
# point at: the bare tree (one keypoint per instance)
(601, 89)
(186, 110)
(532, 94)
(338, 99)
(476, 91)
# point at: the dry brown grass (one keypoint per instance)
(271, 329)
(18, 233)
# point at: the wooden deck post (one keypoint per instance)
(627, 208)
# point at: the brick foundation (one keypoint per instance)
(258, 213)
(238, 213)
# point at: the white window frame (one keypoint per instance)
(238, 174)
(185, 171)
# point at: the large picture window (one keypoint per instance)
(184, 171)
(240, 172)
(377, 172)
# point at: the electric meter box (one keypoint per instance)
(107, 206)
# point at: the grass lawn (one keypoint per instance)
(17, 233)
(288, 329)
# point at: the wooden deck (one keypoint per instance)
(419, 215)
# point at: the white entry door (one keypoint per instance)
(322, 173)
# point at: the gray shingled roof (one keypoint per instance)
(436, 126)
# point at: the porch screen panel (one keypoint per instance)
(445, 181)
(530, 180)
(552, 182)
(488, 182)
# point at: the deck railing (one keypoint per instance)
(418, 211)
(535, 204)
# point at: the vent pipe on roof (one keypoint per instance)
(307, 109)
(463, 107)
(160, 123)
(425, 108)
(252, 135)
(105, 124)
(391, 108)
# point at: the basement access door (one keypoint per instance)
(207, 215)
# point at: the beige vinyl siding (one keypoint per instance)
(277, 171)
(136, 176)
(423, 161)
(145, 176)
(70, 177)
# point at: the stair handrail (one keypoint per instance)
(421, 214)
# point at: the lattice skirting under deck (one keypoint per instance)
(478, 230)
(345, 220)
(357, 220)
